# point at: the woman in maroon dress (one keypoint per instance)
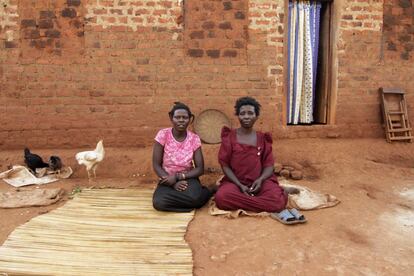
(247, 162)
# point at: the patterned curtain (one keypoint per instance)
(303, 40)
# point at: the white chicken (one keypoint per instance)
(92, 158)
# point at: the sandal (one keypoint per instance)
(298, 216)
(284, 217)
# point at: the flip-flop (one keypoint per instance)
(299, 217)
(284, 217)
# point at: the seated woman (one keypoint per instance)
(246, 159)
(175, 151)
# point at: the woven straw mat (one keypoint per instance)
(208, 125)
(101, 232)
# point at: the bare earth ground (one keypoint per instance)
(370, 233)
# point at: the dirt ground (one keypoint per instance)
(371, 232)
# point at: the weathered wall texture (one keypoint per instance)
(366, 61)
(74, 71)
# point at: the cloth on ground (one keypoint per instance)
(306, 199)
(20, 176)
(27, 198)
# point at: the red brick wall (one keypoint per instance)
(75, 71)
(366, 61)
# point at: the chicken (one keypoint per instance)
(33, 161)
(55, 163)
(92, 158)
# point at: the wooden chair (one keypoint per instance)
(394, 110)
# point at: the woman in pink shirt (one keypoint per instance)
(178, 161)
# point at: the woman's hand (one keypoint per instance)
(181, 185)
(244, 189)
(168, 180)
(255, 188)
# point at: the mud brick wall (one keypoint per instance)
(75, 71)
(216, 29)
(373, 51)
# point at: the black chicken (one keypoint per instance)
(33, 161)
(55, 163)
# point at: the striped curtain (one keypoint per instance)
(303, 40)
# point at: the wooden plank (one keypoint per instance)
(402, 138)
(323, 84)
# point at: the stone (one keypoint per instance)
(405, 4)
(230, 53)
(197, 35)
(296, 175)
(295, 165)
(34, 34)
(333, 134)
(47, 14)
(208, 25)
(211, 34)
(144, 78)
(239, 15)
(52, 33)
(405, 56)
(289, 168)
(68, 12)
(45, 24)
(213, 53)
(96, 93)
(278, 168)
(75, 3)
(76, 23)
(409, 47)
(10, 44)
(227, 6)
(25, 23)
(195, 52)
(284, 173)
(143, 61)
(404, 38)
(238, 44)
(225, 26)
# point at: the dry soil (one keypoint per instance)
(371, 232)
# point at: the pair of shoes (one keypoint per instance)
(289, 216)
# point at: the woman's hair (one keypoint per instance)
(247, 101)
(179, 105)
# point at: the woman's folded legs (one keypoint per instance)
(271, 198)
(166, 198)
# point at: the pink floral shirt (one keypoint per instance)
(178, 156)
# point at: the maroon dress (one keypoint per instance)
(247, 162)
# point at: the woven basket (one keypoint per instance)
(208, 125)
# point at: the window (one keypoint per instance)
(309, 51)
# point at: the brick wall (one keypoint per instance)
(134, 14)
(399, 29)
(9, 18)
(75, 71)
(367, 61)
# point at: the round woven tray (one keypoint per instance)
(208, 125)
